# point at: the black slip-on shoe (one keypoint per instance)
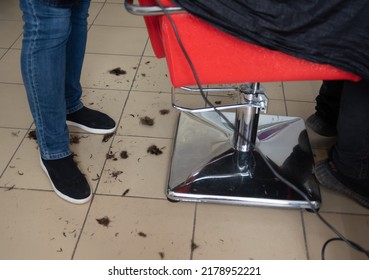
(91, 121)
(320, 126)
(67, 180)
(329, 177)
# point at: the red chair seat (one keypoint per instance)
(220, 58)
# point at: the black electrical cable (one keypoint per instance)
(340, 237)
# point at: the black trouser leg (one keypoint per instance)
(328, 101)
(351, 152)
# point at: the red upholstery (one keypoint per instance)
(154, 29)
(220, 58)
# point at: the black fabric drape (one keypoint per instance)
(334, 32)
(60, 3)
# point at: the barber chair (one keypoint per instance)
(233, 158)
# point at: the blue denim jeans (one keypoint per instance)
(54, 43)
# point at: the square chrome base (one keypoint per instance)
(206, 168)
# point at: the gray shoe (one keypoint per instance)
(329, 177)
(320, 126)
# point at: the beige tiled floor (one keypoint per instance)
(36, 224)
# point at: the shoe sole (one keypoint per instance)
(63, 196)
(328, 180)
(92, 130)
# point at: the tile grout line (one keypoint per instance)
(110, 147)
(284, 99)
(122, 26)
(16, 150)
(304, 235)
(82, 227)
(121, 116)
(93, 197)
(88, 211)
(193, 232)
(98, 13)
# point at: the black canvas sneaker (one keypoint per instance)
(67, 180)
(91, 121)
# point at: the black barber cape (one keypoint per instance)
(60, 3)
(333, 32)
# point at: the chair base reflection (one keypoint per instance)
(206, 168)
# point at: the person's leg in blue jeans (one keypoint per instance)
(43, 64)
(75, 52)
(77, 114)
(347, 168)
(53, 49)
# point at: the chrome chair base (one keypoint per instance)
(206, 168)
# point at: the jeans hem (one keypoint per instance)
(75, 108)
(55, 156)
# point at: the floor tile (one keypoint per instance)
(300, 109)
(273, 90)
(301, 91)
(38, 225)
(276, 107)
(96, 68)
(139, 173)
(139, 229)
(10, 71)
(353, 227)
(116, 15)
(24, 171)
(338, 203)
(234, 232)
(18, 43)
(94, 10)
(155, 107)
(116, 40)
(152, 75)
(9, 142)
(149, 52)
(2, 52)
(9, 32)
(14, 109)
(9, 10)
